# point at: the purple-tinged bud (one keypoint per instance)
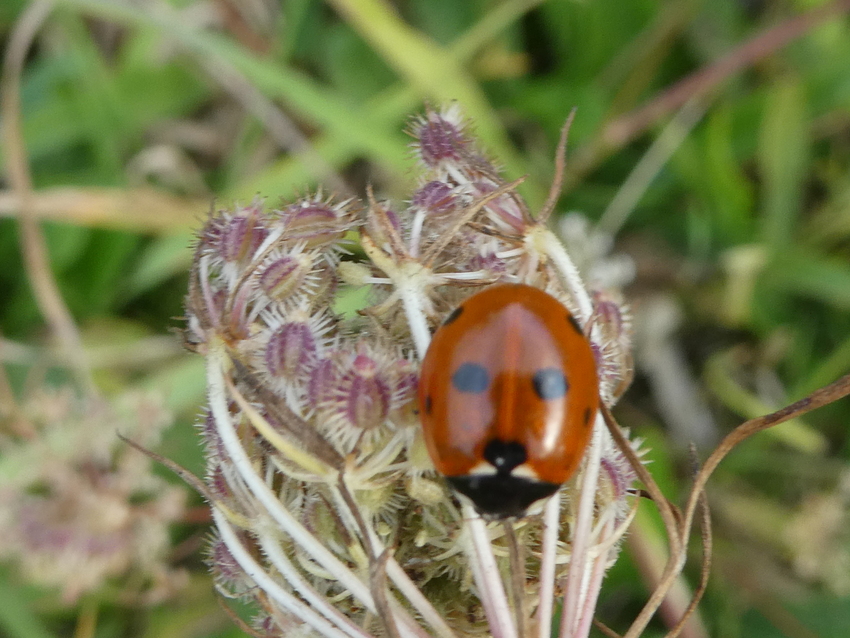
(439, 140)
(609, 313)
(437, 198)
(240, 237)
(284, 276)
(502, 209)
(268, 627)
(618, 475)
(365, 394)
(614, 361)
(218, 485)
(619, 472)
(322, 381)
(213, 444)
(406, 382)
(314, 222)
(381, 222)
(488, 263)
(291, 351)
(228, 573)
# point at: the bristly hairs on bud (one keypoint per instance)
(328, 511)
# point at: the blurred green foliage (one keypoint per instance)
(747, 226)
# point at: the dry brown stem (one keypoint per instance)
(679, 525)
(33, 245)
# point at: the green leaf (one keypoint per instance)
(17, 618)
(724, 182)
(812, 275)
(164, 258)
(434, 71)
(783, 159)
(313, 102)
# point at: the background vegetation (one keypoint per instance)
(712, 141)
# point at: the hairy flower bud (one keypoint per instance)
(436, 198)
(316, 463)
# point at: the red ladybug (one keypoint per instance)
(507, 397)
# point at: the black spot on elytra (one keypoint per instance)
(550, 383)
(504, 456)
(574, 324)
(453, 315)
(587, 413)
(429, 404)
(471, 377)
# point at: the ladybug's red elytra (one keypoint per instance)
(508, 396)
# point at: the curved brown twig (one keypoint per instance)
(33, 245)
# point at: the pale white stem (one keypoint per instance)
(416, 232)
(549, 553)
(292, 452)
(416, 598)
(453, 172)
(378, 462)
(583, 527)
(475, 275)
(221, 415)
(487, 576)
(278, 559)
(645, 171)
(512, 252)
(265, 582)
(411, 280)
(559, 257)
(271, 239)
(414, 310)
(607, 542)
(585, 618)
(394, 571)
(412, 592)
(204, 279)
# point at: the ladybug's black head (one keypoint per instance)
(501, 495)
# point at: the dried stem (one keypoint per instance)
(256, 573)
(624, 129)
(705, 572)
(33, 245)
(817, 399)
(669, 513)
(675, 564)
(560, 165)
(580, 563)
(548, 550)
(487, 577)
(517, 575)
(262, 492)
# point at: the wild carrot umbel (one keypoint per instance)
(79, 511)
(328, 511)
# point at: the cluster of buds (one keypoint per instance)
(328, 511)
(79, 510)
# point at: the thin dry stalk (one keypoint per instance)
(696, 500)
(623, 130)
(33, 245)
(517, 576)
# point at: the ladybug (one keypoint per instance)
(508, 395)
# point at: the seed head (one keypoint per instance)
(316, 465)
